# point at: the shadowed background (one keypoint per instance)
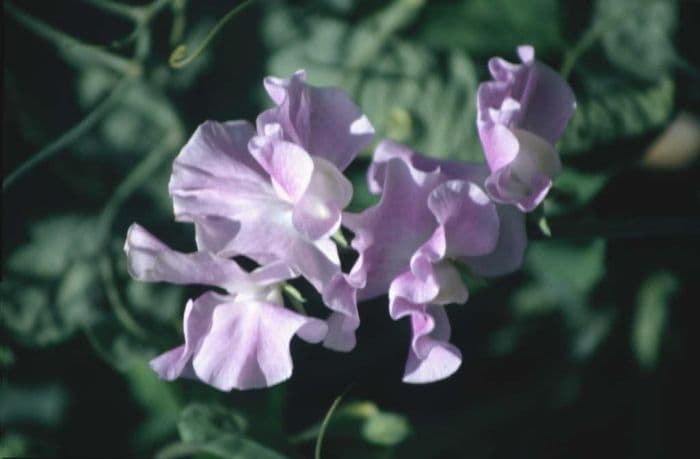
(582, 353)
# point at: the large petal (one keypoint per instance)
(215, 175)
(550, 105)
(419, 165)
(322, 120)
(247, 345)
(388, 234)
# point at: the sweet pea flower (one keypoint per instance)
(521, 115)
(239, 339)
(276, 192)
(431, 214)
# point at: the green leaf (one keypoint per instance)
(650, 318)
(409, 93)
(564, 275)
(492, 26)
(363, 420)
(574, 189)
(386, 429)
(50, 286)
(639, 40)
(618, 112)
(219, 431)
(39, 405)
(156, 397)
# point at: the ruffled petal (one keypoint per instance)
(468, 216)
(247, 344)
(150, 260)
(322, 120)
(431, 357)
(290, 167)
(340, 295)
(510, 248)
(525, 101)
(178, 362)
(388, 234)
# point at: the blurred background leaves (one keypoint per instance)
(582, 353)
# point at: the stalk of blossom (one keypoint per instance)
(277, 193)
(521, 115)
(430, 214)
(235, 340)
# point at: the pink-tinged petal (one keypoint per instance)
(213, 234)
(149, 260)
(322, 120)
(178, 362)
(214, 175)
(550, 105)
(387, 234)
(529, 96)
(527, 179)
(419, 165)
(277, 88)
(315, 218)
(247, 345)
(468, 216)
(510, 248)
(338, 128)
(431, 357)
(341, 297)
(499, 143)
(289, 166)
(526, 53)
(293, 111)
(318, 213)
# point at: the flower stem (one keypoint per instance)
(120, 310)
(71, 135)
(180, 57)
(67, 43)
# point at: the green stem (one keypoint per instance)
(295, 297)
(66, 43)
(71, 135)
(134, 180)
(120, 310)
(99, 349)
(119, 9)
(592, 35)
(180, 58)
(326, 421)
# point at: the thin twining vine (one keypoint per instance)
(130, 68)
(180, 57)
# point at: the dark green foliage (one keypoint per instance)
(581, 353)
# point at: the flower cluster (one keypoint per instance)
(275, 193)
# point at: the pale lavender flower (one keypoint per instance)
(277, 194)
(521, 115)
(239, 339)
(431, 213)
